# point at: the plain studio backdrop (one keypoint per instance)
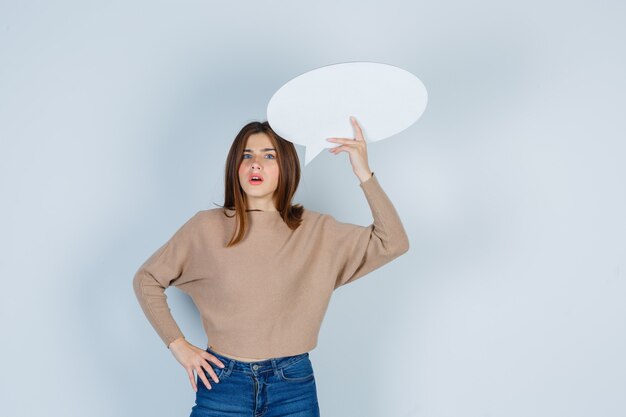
(115, 121)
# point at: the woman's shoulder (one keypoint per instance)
(317, 218)
(214, 214)
(311, 214)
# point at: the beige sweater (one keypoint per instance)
(266, 296)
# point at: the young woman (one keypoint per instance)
(261, 272)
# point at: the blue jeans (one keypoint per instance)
(283, 386)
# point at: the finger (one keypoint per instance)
(345, 141)
(342, 148)
(211, 372)
(214, 359)
(192, 379)
(359, 132)
(203, 377)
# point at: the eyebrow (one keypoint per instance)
(262, 150)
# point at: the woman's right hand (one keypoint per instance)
(193, 358)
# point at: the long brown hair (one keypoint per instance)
(288, 180)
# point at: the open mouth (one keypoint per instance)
(255, 180)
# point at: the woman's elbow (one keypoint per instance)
(401, 245)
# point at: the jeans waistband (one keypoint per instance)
(257, 367)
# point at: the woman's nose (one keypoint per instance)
(256, 162)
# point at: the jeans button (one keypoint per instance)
(255, 367)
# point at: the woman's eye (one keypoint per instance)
(247, 154)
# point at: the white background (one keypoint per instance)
(115, 121)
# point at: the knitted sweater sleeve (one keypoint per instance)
(362, 249)
(163, 268)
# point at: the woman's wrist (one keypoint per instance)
(176, 342)
(365, 176)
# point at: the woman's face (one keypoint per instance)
(259, 159)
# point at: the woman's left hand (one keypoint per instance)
(357, 150)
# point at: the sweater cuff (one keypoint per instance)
(367, 180)
(368, 183)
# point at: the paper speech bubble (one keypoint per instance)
(384, 99)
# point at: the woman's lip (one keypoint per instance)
(255, 182)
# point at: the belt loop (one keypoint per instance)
(229, 366)
(274, 366)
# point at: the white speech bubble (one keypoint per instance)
(316, 105)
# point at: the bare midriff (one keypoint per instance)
(237, 357)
